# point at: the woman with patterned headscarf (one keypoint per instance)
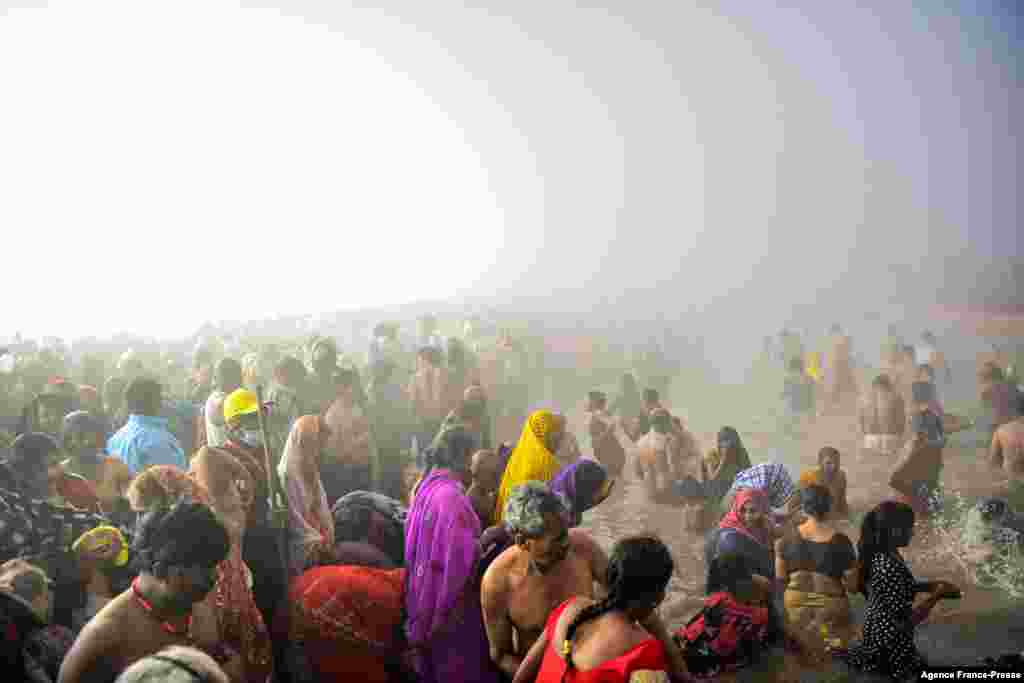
(533, 458)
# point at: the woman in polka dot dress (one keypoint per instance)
(888, 644)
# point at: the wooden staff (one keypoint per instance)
(278, 506)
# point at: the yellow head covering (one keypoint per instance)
(812, 365)
(103, 537)
(531, 460)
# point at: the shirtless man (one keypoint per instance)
(348, 465)
(882, 417)
(840, 379)
(665, 455)
(428, 390)
(927, 353)
(917, 472)
(604, 440)
(485, 472)
(548, 564)
(1007, 454)
(83, 437)
(999, 397)
(177, 551)
(668, 461)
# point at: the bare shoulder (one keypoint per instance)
(102, 633)
(496, 578)
(579, 538)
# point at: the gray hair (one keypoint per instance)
(526, 506)
(174, 664)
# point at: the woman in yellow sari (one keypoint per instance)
(818, 565)
(533, 458)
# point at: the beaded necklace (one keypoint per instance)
(165, 625)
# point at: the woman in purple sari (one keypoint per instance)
(444, 622)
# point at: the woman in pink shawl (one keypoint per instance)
(444, 622)
(310, 518)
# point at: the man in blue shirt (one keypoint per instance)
(145, 440)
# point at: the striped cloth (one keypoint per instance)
(770, 477)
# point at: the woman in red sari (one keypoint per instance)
(346, 625)
(345, 621)
(602, 642)
(231, 489)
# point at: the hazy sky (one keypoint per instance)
(170, 162)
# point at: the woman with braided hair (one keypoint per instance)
(587, 641)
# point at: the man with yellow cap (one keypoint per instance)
(260, 549)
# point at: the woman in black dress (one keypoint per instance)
(888, 643)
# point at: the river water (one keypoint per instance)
(984, 622)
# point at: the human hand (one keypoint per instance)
(945, 589)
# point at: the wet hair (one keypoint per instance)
(639, 570)
(452, 450)
(383, 370)
(816, 501)
(878, 535)
(143, 396)
(32, 450)
(526, 507)
(727, 572)
(456, 353)
(435, 356)
(882, 381)
(922, 392)
(186, 534)
(229, 373)
(588, 478)
(472, 408)
(346, 377)
(289, 370)
(114, 388)
(650, 395)
(731, 434)
(661, 421)
(828, 452)
(81, 422)
(992, 509)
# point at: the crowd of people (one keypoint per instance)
(333, 528)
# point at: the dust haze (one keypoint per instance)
(723, 170)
